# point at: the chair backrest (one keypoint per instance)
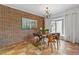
(51, 38)
(37, 35)
(57, 35)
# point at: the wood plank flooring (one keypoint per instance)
(24, 48)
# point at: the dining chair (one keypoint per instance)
(51, 40)
(37, 38)
(57, 38)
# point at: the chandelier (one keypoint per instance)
(47, 12)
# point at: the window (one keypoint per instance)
(57, 26)
(53, 26)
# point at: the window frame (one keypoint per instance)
(62, 25)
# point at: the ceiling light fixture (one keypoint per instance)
(47, 13)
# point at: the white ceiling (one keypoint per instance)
(38, 9)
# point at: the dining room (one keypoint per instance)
(39, 29)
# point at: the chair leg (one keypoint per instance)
(52, 46)
(48, 44)
(57, 44)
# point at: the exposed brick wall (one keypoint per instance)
(10, 25)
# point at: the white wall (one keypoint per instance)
(71, 19)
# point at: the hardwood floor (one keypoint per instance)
(65, 48)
